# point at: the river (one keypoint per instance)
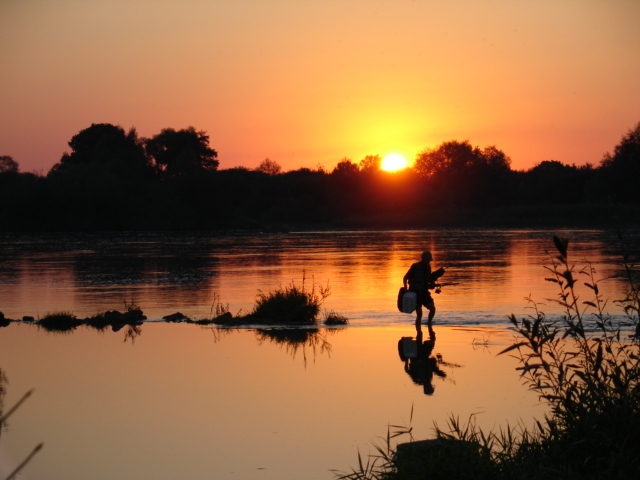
(168, 401)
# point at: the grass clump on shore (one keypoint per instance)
(218, 314)
(59, 322)
(584, 365)
(333, 318)
(291, 304)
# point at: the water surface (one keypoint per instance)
(163, 273)
(168, 401)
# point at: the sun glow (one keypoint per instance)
(393, 162)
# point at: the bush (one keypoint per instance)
(291, 304)
(59, 322)
(588, 372)
(334, 318)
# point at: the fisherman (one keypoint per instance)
(420, 279)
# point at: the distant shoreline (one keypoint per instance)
(582, 216)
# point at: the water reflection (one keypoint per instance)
(132, 332)
(180, 268)
(87, 273)
(297, 340)
(419, 363)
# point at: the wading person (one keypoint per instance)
(420, 279)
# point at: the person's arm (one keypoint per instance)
(405, 279)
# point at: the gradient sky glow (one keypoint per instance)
(306, 82)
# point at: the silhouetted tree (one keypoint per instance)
(178, 152)
(103, 182)
(461, 174)
(449, 157)
(370, 163)
(24, 204)
(8, 164)
(270, 167)
(495, 159)
(622, 168)
(549, 182)
(106, 146)
(345, 167)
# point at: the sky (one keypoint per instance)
(307, 83)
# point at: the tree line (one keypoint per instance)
(113, 179)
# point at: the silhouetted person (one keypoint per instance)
(419, 363)
(420, 279)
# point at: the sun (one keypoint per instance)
(393, 162)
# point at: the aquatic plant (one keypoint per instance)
(98, 321)
(587, 371)
(59, 322)
(334, 318)
(291, 304)
(217, 307)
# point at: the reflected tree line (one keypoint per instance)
(114, 179)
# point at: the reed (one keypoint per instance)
(291, 304)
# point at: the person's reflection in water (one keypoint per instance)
(418, 362)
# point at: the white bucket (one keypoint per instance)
(409, 301)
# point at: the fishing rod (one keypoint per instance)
(438, 286)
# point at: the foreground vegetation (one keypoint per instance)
(114, 180)
(583, 365)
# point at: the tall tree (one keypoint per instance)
(370, 163)
(461, 174)
(622, 168)
(106, 146)
(449, 157)
(8, 164)
(179, 152)
(345, 167)
(270, 167)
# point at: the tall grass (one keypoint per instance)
(584, 365)
(291, 304)
(588, 372)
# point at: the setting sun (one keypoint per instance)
(393, 162)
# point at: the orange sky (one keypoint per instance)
(310, 82)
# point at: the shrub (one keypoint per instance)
(588, 372)
(59, 322)
(333, 318)
(291, 304)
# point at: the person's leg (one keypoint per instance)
(432, 312)
(418, 314)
